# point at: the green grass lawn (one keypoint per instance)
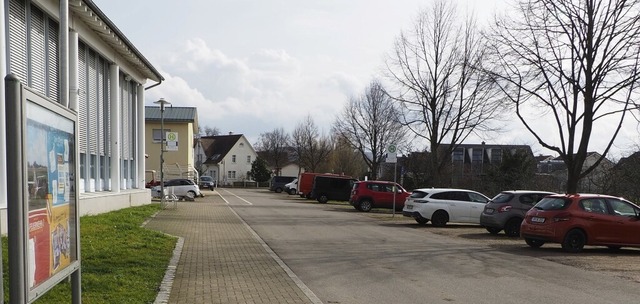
(121, 262)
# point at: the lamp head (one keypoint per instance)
(162, 103)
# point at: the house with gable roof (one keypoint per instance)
(289, 167)
(226, 158)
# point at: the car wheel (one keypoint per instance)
(439, 218)
(422, 220)
(191, 195)
(323, 199)
(533, 243)
(493, 230)
(512, 227)
(365, 205)
(574, 241)
(292, 191)
(278, 190)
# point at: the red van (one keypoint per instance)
(305, 183)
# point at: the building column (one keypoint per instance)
(74, 87)
(3, 124)
(64, 53)
(140, 142)
(114, 120)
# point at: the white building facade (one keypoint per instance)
(71, 53)
(227, 158)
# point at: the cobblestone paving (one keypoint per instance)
(221, 260)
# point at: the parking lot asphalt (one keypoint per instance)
(220, 259)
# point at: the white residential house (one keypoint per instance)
(288, 167)
(291, 169)
(227, 158)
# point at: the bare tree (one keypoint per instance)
(208, 131)
(575, 62)
(273, 147)
(370, 123)
(444, 96)
(311, 149)
(346, 160)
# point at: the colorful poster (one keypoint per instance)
(39, 247)
(49, 147)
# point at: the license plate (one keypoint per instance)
(537, 219)
(410, 207)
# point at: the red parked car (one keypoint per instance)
(576, 220)
(377, 194)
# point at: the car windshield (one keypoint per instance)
(552, 203)
(206, 178)
(418, 194)
(502, 198)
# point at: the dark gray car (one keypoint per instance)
(507, 209)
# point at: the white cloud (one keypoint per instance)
(264, 91)
(253, 68)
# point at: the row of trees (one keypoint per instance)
(572, 63)
(564, 68)
(308, 148)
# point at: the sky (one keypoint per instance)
(251, 67)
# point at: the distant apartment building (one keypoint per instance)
(472, 161)
(598, 181)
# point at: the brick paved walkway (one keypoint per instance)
(223, 260)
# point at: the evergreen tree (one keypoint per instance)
(259, 170)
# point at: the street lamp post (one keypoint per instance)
(162, 103)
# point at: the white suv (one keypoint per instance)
(444, 205)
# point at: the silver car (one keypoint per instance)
(507, 209)
(183, 188)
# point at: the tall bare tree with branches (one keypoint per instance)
(574, 63)
(370, 123)
(444, 96)
(273, 147)
(312, 149)
(345, 159)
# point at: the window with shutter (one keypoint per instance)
(82, 99)
(53, 80)
(33, 48)
(18, 39)
(92, 86)
(101, 99)
(37, 53)
(125, 118)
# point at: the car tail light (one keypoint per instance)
(421, 201)
(561, 217)
(505, 208)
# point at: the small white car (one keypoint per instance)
(183, 188)
(440, 206)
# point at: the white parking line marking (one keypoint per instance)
(242, 199)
